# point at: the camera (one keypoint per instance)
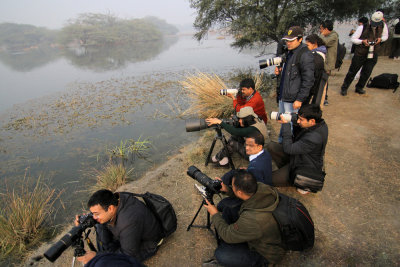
(287, 116)
(55, 251)
(194, 125)
(371, 49)
(278, 61)
(211, 186)
(228, 91)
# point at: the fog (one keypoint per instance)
(54, 14)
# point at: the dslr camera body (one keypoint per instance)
(371, 49)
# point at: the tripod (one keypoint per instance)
(220, 136)
(78, 245)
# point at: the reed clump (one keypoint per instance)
(111, 176)
(24, 216)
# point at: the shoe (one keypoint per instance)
(360, 91)
(214, 159)
(303, 192)
(210, 262)
(219, 165)
(326, 103)
(343, 92)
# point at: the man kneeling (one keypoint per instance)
(254, 238)
(125, 225)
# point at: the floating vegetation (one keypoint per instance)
(129, 149)
(110, 177)
(23, 216)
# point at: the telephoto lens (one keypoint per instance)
(277, 116)
(263, 63)
(228, 91)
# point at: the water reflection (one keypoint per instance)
(99, 59)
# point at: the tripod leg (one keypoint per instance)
(211, 150)
(225, 144)
(195, 216)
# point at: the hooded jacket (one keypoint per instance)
(331, 43)
(256, 224)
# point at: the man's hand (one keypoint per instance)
(278, 70)
(76, 222)
(365, 42)
(296, 104)
(87, 257)
(231, 96)
(377, 41)
(282, 120)
(224, 187)
(210, 208)
(211, 121)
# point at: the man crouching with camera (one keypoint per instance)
(125, 225)
(254, 238)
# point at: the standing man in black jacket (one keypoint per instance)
(304, 149)
(125, 225)
(297, 73)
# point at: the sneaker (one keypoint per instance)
(303, 192)
(210, 262)
(326, 103)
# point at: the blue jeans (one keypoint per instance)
(285, 107)
(238, 255)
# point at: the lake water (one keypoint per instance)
(60, 112)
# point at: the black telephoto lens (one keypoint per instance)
(194, 125)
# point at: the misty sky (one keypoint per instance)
(55, 13)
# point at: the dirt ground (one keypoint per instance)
(356, 215)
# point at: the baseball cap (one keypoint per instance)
(376, 18)
(246, 111)
(293, 33)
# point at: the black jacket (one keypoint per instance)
(306, 148)
(136, 229)
(299, 78)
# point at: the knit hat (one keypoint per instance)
(293, 33)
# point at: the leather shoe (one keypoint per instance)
(343, 92)
(360, 91)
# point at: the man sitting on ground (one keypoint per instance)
(305, 149)
(125, 225)
(254, 238)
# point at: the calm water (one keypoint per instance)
(61, 111)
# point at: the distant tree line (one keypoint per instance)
(87, 29)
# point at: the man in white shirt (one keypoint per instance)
(366, 38)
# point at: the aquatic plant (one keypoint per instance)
(129, 149)
(23, 216)
(110, 177)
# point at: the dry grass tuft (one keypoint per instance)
(203, 91)
(110, 177)
(23, 216)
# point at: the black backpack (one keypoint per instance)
(163, 211)
(397, 28)
(341, 53)
(384, 81)
(295, 223)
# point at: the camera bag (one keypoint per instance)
(163, 211)
(309, 179)
(295, 224)
(384, 81)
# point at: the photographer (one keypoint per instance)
(125, 225)
(367, 37)
(254, 238)
(249, 97)
(304, 149)
(249, 123)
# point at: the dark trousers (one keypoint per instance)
(395, 50)
(281, 176)
(235, 254)
(235, 144)
(356, 63)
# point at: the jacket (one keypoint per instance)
(256, 102)
(331, 43)
(136, 228)
(256, 224)
(307, 147)
(244, 132)
(299, 78)
(368, 33)
(261, 168)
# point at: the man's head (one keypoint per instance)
(246, 116)
(309, 115)
(362, 21)
(294, 37)
(326, 27)
(247, 87)
(244, 185)
(376, 19)
(103, 204)
(313, 41)
(254, 143)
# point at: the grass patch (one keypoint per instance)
(129, 149)
(110, 177)
(23, 217)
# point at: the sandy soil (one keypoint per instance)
(357, 215)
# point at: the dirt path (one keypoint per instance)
(357, 215)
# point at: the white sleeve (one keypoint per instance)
(385, 33)
(355, 38)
